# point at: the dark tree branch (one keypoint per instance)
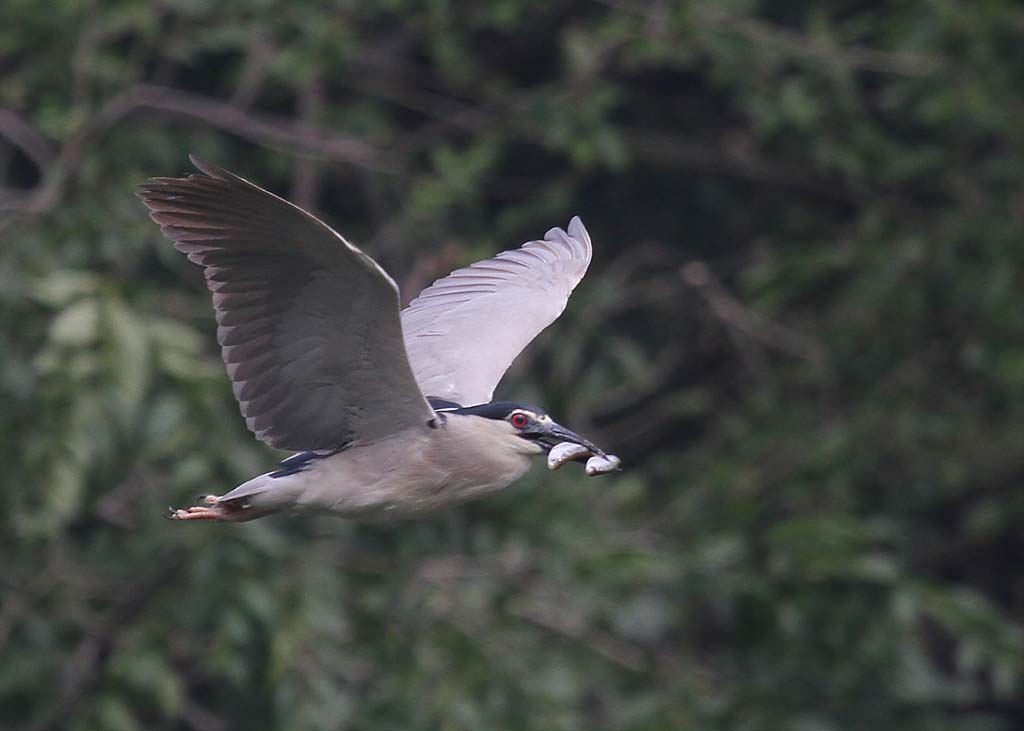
(305, 178)
(789, 42)
(558, 618)
(295, 137)
(254, 70)
(26, 138)
(93, 652)
(793, 43)
(744, 321)
(658, 148)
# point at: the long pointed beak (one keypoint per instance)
(559, 433)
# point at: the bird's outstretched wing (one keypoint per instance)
(463, 331)
(308, 324)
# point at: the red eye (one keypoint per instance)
(520, 420)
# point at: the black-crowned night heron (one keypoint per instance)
(389, 413)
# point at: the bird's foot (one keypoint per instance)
(215, 511)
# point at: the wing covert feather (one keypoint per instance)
(308, 324)
(463, 331)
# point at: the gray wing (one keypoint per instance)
(308, 324)
(463, 331)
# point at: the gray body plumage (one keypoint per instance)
(323, 363)
(409, 473)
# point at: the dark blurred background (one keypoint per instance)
(802, 331)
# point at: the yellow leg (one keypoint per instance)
(217, 511)
(198, 513)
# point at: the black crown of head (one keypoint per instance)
(492, 410)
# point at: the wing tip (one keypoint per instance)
(578, 231)
(209, 169)
(163, 184)
(574, 232)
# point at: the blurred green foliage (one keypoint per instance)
(802, 330)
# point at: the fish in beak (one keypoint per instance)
(551, 433)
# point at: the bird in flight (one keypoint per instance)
(388, 411)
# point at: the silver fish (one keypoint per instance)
(600, 464)
(566, 452)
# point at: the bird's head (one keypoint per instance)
(531, 424)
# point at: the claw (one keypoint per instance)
(215, 510)
(198, 512)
